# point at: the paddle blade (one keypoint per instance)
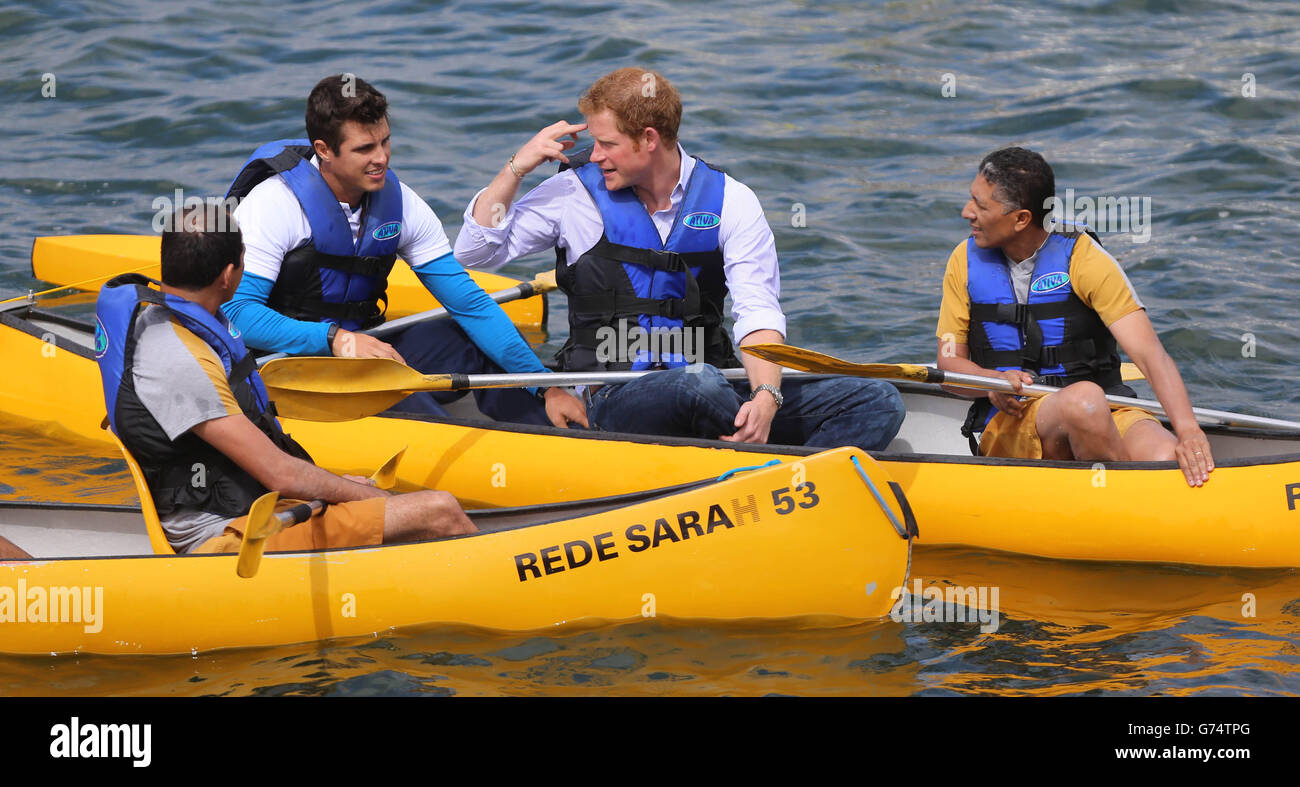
(342, 389)
(348, 376)
(819, 363)
(312, 406)
(545, 282)
(257, 529)
(386, 476)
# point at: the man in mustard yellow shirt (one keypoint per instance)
(1020, 300)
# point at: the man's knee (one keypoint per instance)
(437, 514)
(875, 396)
(864, 413)
(700, 381)
(1082, 405)
(1148, 441)
(887, 412)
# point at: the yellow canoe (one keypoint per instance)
(716, 550)
(85, 262)
(1245, 516)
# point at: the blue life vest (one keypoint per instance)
(671, 292)
(1053, 336)
(334, 277)
(169, 465)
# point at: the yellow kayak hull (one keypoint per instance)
(723, 551)
(1246, 515)
(87, 261)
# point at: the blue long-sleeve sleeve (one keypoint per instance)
(480, 316)
(267, 329)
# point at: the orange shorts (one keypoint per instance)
(1018, 437)
(353, 524)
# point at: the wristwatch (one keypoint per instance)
(329, 336)
(772, 389)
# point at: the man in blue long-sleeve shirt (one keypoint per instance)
(324, 220)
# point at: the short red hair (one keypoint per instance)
(639, 99)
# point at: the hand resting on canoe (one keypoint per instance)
(1077, 423)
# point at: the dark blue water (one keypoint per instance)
(866, 120)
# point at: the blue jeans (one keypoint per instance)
(819, 413)
(442, 346)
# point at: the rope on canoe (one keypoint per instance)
(735, 470)
(889, 512)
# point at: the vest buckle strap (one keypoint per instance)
(672, 308)
(1017, 313)
(1049, 357)
(1054, 380)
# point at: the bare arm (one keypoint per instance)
(957, 359)
(244, 444)
(1139, 341)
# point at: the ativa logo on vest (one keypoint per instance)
(1102, 214)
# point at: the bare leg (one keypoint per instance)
(1148, 441)
(1075, 423)
(426, 514)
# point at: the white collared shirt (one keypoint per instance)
(560, 212)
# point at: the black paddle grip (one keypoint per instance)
(300, 513)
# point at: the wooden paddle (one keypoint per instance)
(813, 361)
(343, 389)
(263, 521)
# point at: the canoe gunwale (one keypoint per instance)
(23, 323)
(549, 514)
(20, 315)
(880, 456)
(1074, 464)
(58, 505)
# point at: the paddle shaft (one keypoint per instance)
(1216, 416)
(519, 292)
(464, 382)
(528, 289)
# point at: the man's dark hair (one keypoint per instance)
(199, 243)
(1021, 180)
(338, 99)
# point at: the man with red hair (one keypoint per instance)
(649, 242)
